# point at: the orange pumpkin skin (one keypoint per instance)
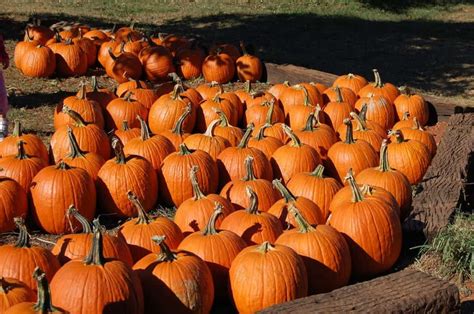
(251, 224)
(379, 110)
(374, 247)
(13, 203)
(123, 66)
(217, 248)
(190, 62)
(127, 86)
(277, 89)
(362, 132)
(228, 49)
(208, 90)
(415, 105)
(103, 55)
(347, 95)
(12, 292)
(176, 188)
(208, 142)
(252, 290)
(416, 132)
(386, 90)
(23, 47)
(101, 95)
(38, 61)
(296, 94)
(314, 186)
(352, 81)
(125, 109)
(88, 47)
(325, 253)
(410, 157)
(249, 67)
(162, 276)
(267, 144)
(157, 63)
(207, 112)
(125, 133)
(218, 68)
(231, 133)
(70, 60)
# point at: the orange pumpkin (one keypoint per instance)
(13, 203)
(379, 88)
(249, 67)
(177, 135)
(123, 66)
(296, 94)
(36, 61)
(125, 134)
(265, 113)
(352, 81)
(125, 108)
(379, 110)
(101, 95)
(218, 67)
(277, 89)
(207, 112)
(70, 60)
(347, 95)
(336, 111)
(414, 104)
(224, 129)
(267, 144)
(416, 132)
(12, 292)
(208, 142)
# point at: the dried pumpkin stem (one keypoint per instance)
(82, 92)
(309, 126)
(75, 152)
(287, 195)
(125, 126)
(398, 135)
(318, 171)
(261, 132)
(303, 225)
(265, 247)
(378, 81)
(363, 112)
(416, 124)
(246, 137)
(74, 212)
(176, 92)
(211, 127)
(361, 125)
(144, 130)
(197, 193)
(95, 84)
(78, 120)
(17, 129)
(357, 195)
(306, 101)
(339, 98)
(183, 150)
(242, 47)
(21, 155)
(43, 303)
(250, 175)
(253, 207)
(166, 255)
(23, 238)
(271, 109)
(63, 166)
(143, 218)
(117, 146)
(210, 228)
(96, 254)
(294, 139)
(248, 86)
(349, 133)
(406, 116)
(384, 165)
(178, 127)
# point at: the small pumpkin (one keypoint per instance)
(125, 108)
(414, 104)
(13, 203)
(144, 95)
(125, 133)
(249, 67)
(226, 48)
(406, 121)
(218, 67)
(370, 126)
(23, 47)
(190, 60)
(379, 88)
(39, 32)
(352, 81)
(416, 132)
(264, 113)
(267, 144)
(208, 142)
(336, 111)
(70, 60)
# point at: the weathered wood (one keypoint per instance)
(408, 291)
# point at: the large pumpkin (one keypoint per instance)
(125, 108)
(70, 60)
(208, 141)
(336, 111)
(157, 63)
(379, 110)
(352, 81)
(38, 61)
(177, 135)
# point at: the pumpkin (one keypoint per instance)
(38, 32)
(324, 250)
(234, 190)
(319, 86)
(157, 63)
(218, 67)
(371, 228)
(316, 187)
(127, 86)
(123, 66)
(122, 174)
(273, 128)
(379, 88)
(18, 260)
(362, 132)
(296, 94)
(208, 90)
(190, 62)
(352, 81)
(351, 153)
(101, 95)
(252, 287)
(389, 179)
(43, 304)
(21, 168)
(416, 132)
(145, 96)
(32, 144)
(176, 188)
(125, 134)
(70, 60)
(410, 157)
(347, 95)
(208, 142)
(360, 121)
(207, 112)
(307, 207)
(174, 42)
(185, 91)
(90, 138)
(76, 245)
(97, 36)
(37, 61)
(162, 276)
(296, 115)
(138, 231)
(90, 110)
(249, 67)
(293, 157)
(379, 110)
(277, 89)
(103, 55)
(405, 122)
(125, 108)
(12, 292)
(177, 135)
(13, 203)
(132, 46)
(128, 31)
(253, 225)
(267, 144)
(414, 104)
(228, 49)
(231, 133)
(193, 214)
(23, 47)
(88, 275)
(88, 47)
(263, 113)
(336, 111)
(217, 248)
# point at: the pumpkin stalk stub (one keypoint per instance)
(72, 211)
(309, 127)
(384, 165)
(43, 304)
(271, 109)
(349, 134)
(143, 218)
(144, 130)
(75, 150)
(23, 238)
(318, 171)
(118, 150)
(265, 247)
(287, 195)
(183, 150)
(95, 256)
(398, 135)
(338, 94)
(17, 131)
(178, 127)
(357, 195)
(21, 150)
(295, 141)
(253, 207)
(210, 228)
(261, 132)
(79, 121)
(378, 80)
(197, 193)
(165, 255)
(82, 91)
(250, 175)
(246, 137)
(361, 125)
(303, 225)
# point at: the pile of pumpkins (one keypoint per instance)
(279, 194)
(128, 54)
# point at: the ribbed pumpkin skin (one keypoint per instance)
(91, 163)
(257, 115)
(326, 256)
(348, 96)
(166, 111)
(121, 109)
(249, 68)
(379, 110)
(22, 48)
(34, 146)
(379, 88)
(190, 62)
(206, 113)
(126, 135)
(415, 105)
(352, 81)
(154, 149)
(308, 209)
(218, 68)
(13, 203)
(268, 145)
(213, 144)
(295, 95)
(234, 191)
(129, 85)
(70, 60)
(335, 113)
(21, 170)
(277, 89)
(88, 47)
(261, 279)
(289, 160)
(422, 136)
(38, 61)
(13, 291)
(231, 133)
(157, 63)
(124, 66)
(89, 110)
(103, 54)
(321, 139)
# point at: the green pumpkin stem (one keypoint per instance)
(294, 139)
(166, 255)
(142, 218)
(242, 47)
(349, 133)
(309, 126)
(96, 253)
(95, 84)
(75, 152)
(247, 135)
(378, 81)
(363, 112)
(253, 207)
(117, 146)
(384, 166)
(183, 150)
(303, 225)
(197, 193)
(248, 86)
(211, 127)
(361, 124)
(261, 132)
(306, 101)
(271, 109)
(63, 166)
(250, 175)
(144, 130)
(287, 195)
(21, 155)
(176, 91)
(17, 129)
(318, 171)
(398, 135)
(339, 98)
(78, 120)
(265, 247)
(125, 126)
(178, 126)
(416, 124)
(44, 303)
(74, 212)
(23, 237)
(357, 195)
(210, 228)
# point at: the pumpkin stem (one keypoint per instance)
(74, 212)
(361, 125)
(144, 130)
(217, 97)
(43, 303)
(405, 90)
(261, 132)
(349, 134)
(363, 112)
(211, 127)
(398, 135)
(142, 215)
(242, 47)
(318, 171)
(317, 112)
(357, 195)
(253, 208)
(183, 150)
(287, 195)
(306, 101)
(117, 146)
(265, 247)
(303, 225)
(210, 228)
(384, 165)
(416, 124)
(63, 166)
(78, 120)
(166, 255)
(378, 81)
(96, 256)
(111, 54)
(406, 116)
(295, 140)
(4, 288)
(338, 94)
(76, 152)
(247, 135)
(176, 91)
(21, 155)
(82, 91)
(125, 126)
(309, 127)
(248, 86)
(197, 193)
(224, 121)
(271, 109)
(95, 84)
(178, 126)
(250, 175)
(23, 238)
(17, 129)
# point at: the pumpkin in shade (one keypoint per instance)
(125, 108)
(352, 81)
(13, 203)
(132, 46)
(125, 133)
(190, 61)
(293, 157)
(163, 274)
(277, 89)
(122, 174)
(410, 157)
(39, 32)
(252, 286)
(414, 104)
(186, 92)
(23, 47)
(237, 105)
(296, 115)
(379, 110)
(101, 95)
(405, 122)
(153, 148)
(21, 168)
(273, 128)
(231, 133)
(316, 187)
(389, 179)
(138, 231)
(88, 47)
(90, 111)
(123, 33)
(296, 94)
(416, 132)
(258, 98)
(218, 67)
(12, 292)
(253, 225)
(176, 188)
(332, 94)
(249, 67)
(33, 145)
(43, 304)
(144, 95)
(324, 250)
(157, 63)
(336, 111)
(208, 142)
(307, 207)
(229, 49)
(379, 88)
(123, 66)
(90, 138)
(372, 229)
(194, 213)
(208, 90)
(20, 259)
(86, 276)
(263, 113)
(362, 132)
(177, 135)
(217, 248)
(70, 60)
(207, 112)
(235, 190)
(267, 144)
(351, 153)
(127, 86)
(38, 61)
(103, 55)
(77, 245)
